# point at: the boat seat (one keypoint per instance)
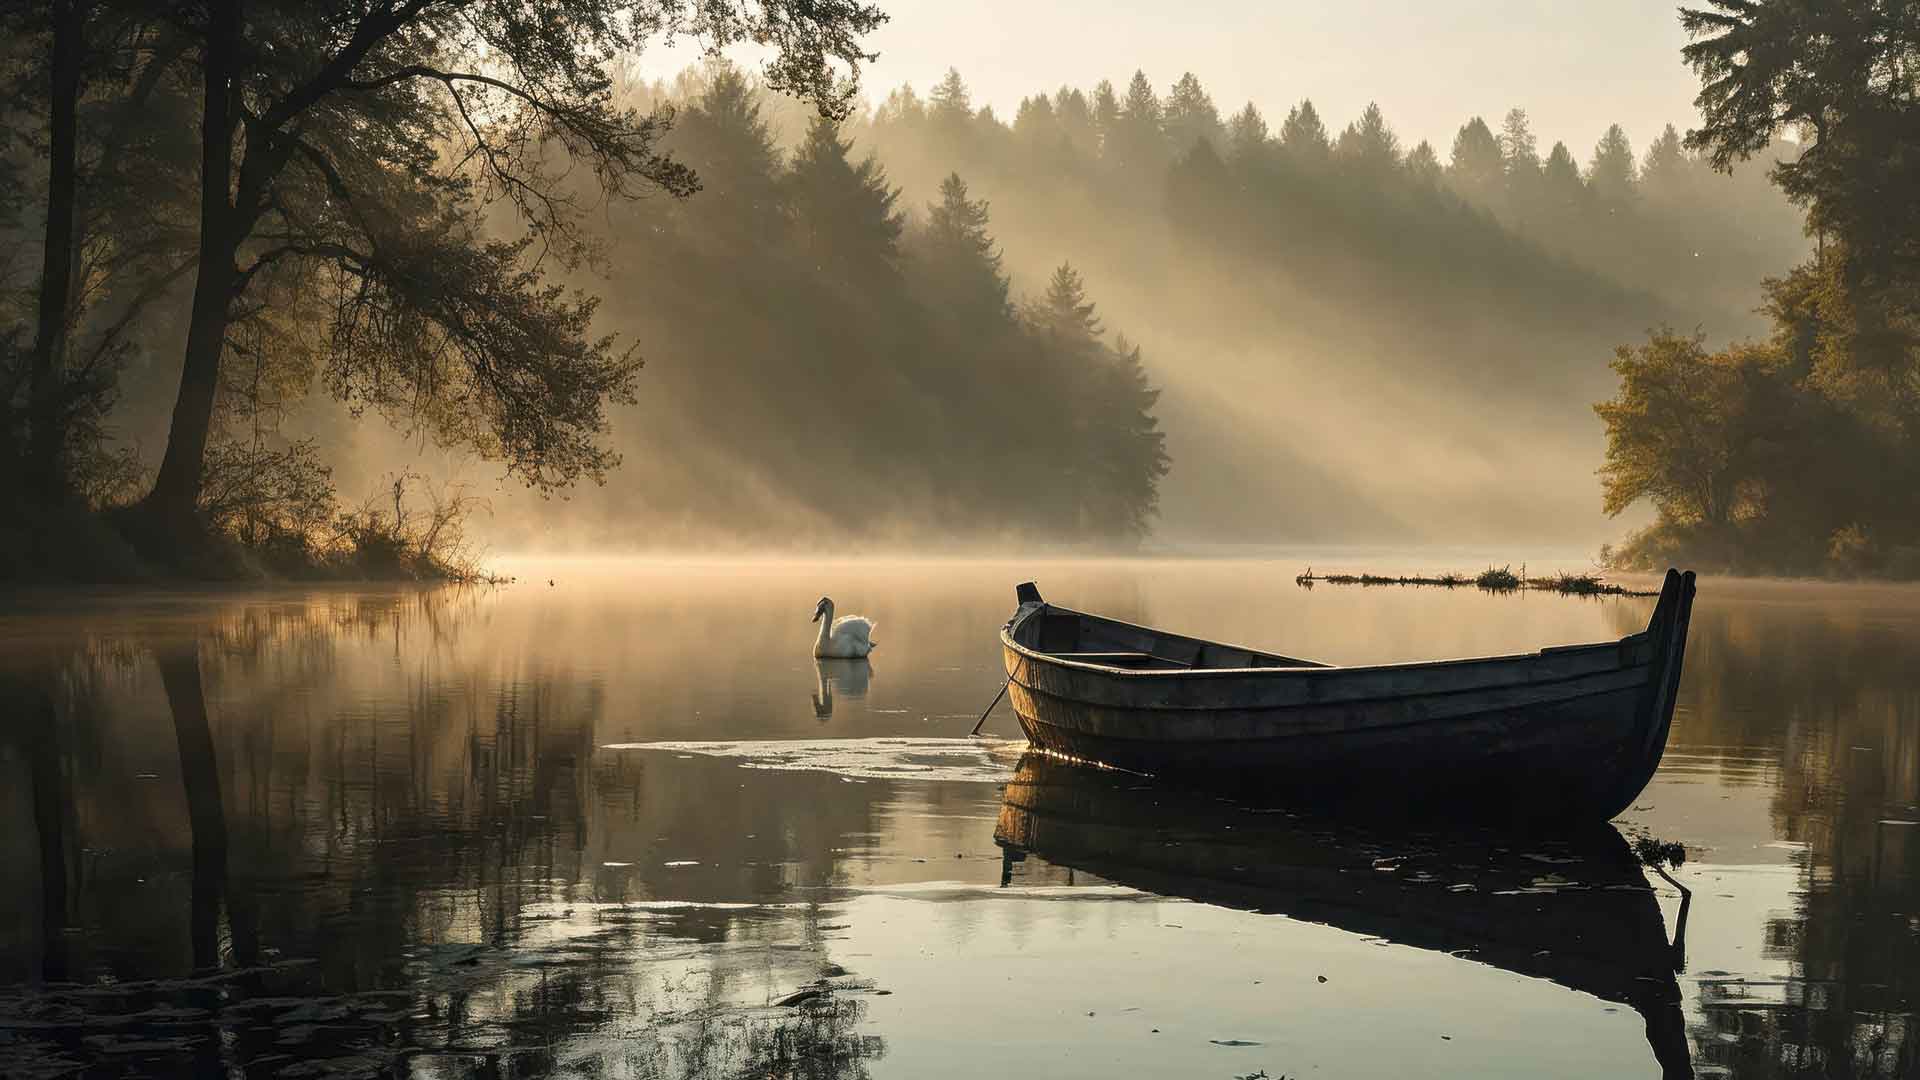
(1122, 659)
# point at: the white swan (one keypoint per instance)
(848, 638)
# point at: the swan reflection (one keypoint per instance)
(849, 677)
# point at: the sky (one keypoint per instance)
(1574, 65)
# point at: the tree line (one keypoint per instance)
(842, 359)
(1799, 451)
(1376, 340)
(1492, 204)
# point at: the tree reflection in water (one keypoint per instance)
(359, 893)
(1820, 703)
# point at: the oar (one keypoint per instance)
(996, 700)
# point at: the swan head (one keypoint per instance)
(825, 605)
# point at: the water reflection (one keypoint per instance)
(1807, 701)
(355, 892)
(850, 677)
(1576, 911)
(389, 832)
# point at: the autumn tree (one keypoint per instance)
(1677, 431)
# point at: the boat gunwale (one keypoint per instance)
(1308, 668)
(1375, 699)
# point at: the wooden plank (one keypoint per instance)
(1316, 719)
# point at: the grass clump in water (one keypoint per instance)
(1501, 580)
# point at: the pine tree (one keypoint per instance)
(1368, 149)
(1423, 166)
(1666, 174)
(1249, 144)
(1106, 119)
(1190, 115)
(902, 107)
(950, 105)
(724, 136)
(1303, 137)
(845, 212)
(1477, 169)
(975, 363)
(1130, 450)
(1562, 190)
(1075, 116)
(1112, 454)
(1037, 130)
(1247, 130)
(1611, 174)
(1064, 312)
(1139, 145)
(1518, 146)
(958, 253)
(1520, 151)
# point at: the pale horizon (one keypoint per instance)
(1574, 68)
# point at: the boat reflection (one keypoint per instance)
(1578, 911)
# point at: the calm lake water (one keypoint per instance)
(623, 825)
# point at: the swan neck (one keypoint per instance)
(826, 628)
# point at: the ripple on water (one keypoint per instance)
(976, 761)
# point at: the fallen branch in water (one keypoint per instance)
(1501, 579)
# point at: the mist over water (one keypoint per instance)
(618, 822)
(1340, 357)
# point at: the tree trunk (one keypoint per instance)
(176, 489)
(45, 472)
(200, 774)
(49, 819)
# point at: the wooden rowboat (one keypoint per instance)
(1570, 732)
(1575, 909)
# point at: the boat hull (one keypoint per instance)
(1564, 733)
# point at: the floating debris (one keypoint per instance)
(1501, 579)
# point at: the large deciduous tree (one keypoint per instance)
(1678, 431)
(352, 148)
(94, 86)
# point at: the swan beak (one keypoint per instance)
(816, 615)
